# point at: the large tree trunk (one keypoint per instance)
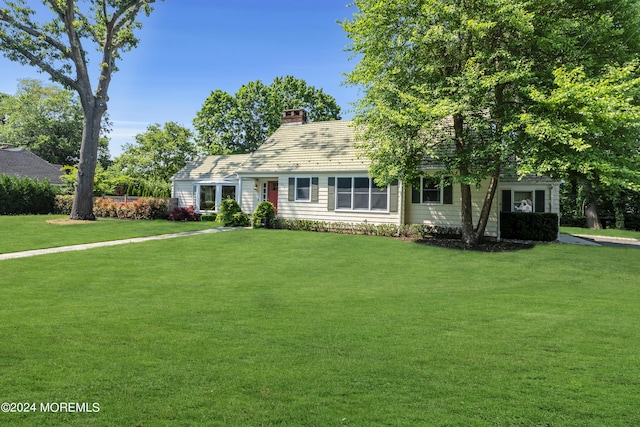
(469, 237)
(83, 197)
(591, 209)
(591, 213)
(488, 202)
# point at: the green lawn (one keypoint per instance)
(277, 328)
(609, 232)
(22, 233)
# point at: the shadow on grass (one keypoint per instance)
(485, 246)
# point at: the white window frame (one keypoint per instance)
(218, 186)
(523, 190)
(199, 197)
(352, 192)
(295, 189)
(440, 187)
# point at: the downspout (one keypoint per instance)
(499, 208)
(400, 205)
(239, 190)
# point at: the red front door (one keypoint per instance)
(272, 193)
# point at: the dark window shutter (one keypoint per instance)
(314, 190)
(506, 200)
(447, 194)
(393, 196)
(331, 197)
(292, 189)
(415, 191)
(540, 201)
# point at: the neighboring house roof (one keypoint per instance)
(311, 147)
(23, 163)
(528, 179)
(210, 167)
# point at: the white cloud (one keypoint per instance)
(122, 132)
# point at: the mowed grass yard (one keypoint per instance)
(277, 328)
(23, 233)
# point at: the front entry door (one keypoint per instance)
(272, 193)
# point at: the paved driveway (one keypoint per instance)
(583, 239)
(611, 241)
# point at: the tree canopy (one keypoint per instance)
(240, 123)
(46, 120)
(158, 153)
(465, 82)
(55, 42)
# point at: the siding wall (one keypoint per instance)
(449, 215)
(317, 211)
(444, 215)
(552, 194)
(183, 191)
(249, 198)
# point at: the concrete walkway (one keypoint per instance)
(82, 247)
(563, 238)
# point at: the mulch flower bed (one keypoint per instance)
(485, 246)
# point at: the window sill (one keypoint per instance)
(358, 211)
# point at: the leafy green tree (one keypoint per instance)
(57, 47)
(587, 130)
(46, 120)
(240, 123)
(457, 81)
(158, 153)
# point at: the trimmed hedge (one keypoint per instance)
(415, 231)
(143, 208)
(19, 196)
(529, 226)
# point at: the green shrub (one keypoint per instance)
(143, 208)
(632, 222)
(263, 215)
(63, 204)
(183, 214)
(573, 221)
(240, 219)
(26, 196)
(529, 226)
(231, 215)
(208, 217)
(413, 231)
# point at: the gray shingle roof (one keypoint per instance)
(301, 148)
(23, 163)
(209, 167)
(311, 147)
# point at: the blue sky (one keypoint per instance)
(190, 47)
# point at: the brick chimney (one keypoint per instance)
(296, 116)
